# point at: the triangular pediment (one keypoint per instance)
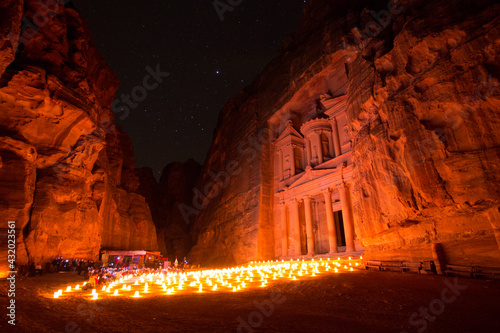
(289, 132)
(310, 175)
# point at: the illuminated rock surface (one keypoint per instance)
(66, 174)
(422, 111)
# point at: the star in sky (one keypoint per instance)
(187, 39)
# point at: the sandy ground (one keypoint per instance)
(360, 301)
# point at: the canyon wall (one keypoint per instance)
(421, 82)
(168, 201)
(67, 175)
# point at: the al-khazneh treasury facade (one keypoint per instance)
(313, 168)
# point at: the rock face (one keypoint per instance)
(422, 111)
(424, 108)
(67, 173)
(168, 201)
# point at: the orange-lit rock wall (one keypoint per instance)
(423, 113)
(66, 172)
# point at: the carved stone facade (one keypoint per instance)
(313, 168)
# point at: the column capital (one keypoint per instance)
(326, 190)
(342, 186)
(306, 198)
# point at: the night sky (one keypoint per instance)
(208, 61)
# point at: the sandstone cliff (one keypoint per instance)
(66, 173)
(423, 113)
(167, 201)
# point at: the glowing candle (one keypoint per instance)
(77, 287)
(136, 294)
(95, 296)
(116, 292)
(200, 289)
(93, 291)
(215, 287)
(68, 289)
(56, 294)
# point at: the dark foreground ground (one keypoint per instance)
(350, 302)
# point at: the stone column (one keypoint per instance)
(319, 145)
(336, 138)
(280, 165)
(330, 222)
(347, 216)
(309, 228)
(295, 226)
(284, 234)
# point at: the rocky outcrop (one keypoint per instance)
(169, 201)
(424, 108)
(421, 81)
(67, 173)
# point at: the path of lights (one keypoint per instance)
(237, 279)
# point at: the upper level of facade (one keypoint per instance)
(318, 143)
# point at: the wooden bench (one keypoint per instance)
(374, 264)
(408, 266)
(486, 272)
(391, 266)
(459, 270)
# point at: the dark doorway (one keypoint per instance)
(339, 227)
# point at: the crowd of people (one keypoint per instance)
(95, 271)
(77, 266)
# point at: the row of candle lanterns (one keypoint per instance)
(256, 274)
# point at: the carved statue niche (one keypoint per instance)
(325, 145)
(297, 152)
